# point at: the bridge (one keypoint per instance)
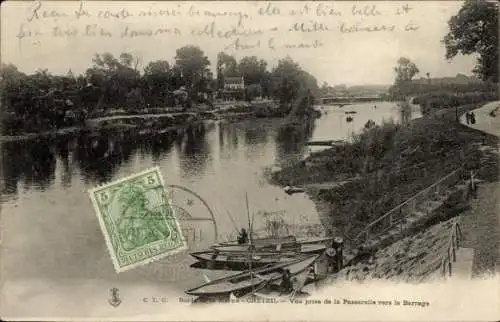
(338, 100)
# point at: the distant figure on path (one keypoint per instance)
(467, 117)
(472, 118)
(243, 237)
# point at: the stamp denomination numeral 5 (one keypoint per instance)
(151, 180)
(104, 196)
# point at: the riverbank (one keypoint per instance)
(388, 164)
(160, 120)
(160, 123)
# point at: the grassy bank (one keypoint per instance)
(389, 163)
(438, 100)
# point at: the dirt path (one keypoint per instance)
(481, 223)
(484, 121)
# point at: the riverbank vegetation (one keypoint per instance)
(473, 30)
(438, 100)
(119, 86)
(388, 164)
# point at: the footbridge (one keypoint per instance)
(337, 100)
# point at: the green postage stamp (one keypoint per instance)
(137, 220)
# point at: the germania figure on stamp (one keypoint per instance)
(137, 220)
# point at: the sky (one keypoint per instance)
(64, 35)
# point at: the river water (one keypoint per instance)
(51, 236)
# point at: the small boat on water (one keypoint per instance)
(350, 112)
(239, 261)
(263, 242)
(326, 143)
(245, 248)
(291, 190)
(284, 240)
(242, 284)
(313, 240)
(299, 248)
(239, 257)
(369, 124)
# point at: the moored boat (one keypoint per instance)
(284, 240)
(247, 282)
(313, 240)
(291, 190)
(240, 257)
(239, 261)
(265, 241)
(299, 248)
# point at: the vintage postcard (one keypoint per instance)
(249, 160)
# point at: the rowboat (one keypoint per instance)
(247, 282)
(271, 242)
(258, 242)
(291, 190)
(240, 257)
(238, 260)
(313, 240)
(299, 248)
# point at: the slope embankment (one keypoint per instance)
(389, 164)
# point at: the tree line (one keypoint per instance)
(473, 30)
(43, 101)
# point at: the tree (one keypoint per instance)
(405, 70)
(11, 80)
(292, 85)
(252, 69)
(286, 81)
(114, 77)
(193, 64)
(228, 65)
(157, 79)
(474, 30)
(253, 91)
(159, 67)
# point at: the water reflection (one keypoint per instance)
(290, 141)
(32, 162)
(195, 153)
(221, 162)
(97, 157)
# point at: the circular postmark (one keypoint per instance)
(199, 229)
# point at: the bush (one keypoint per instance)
(373, 143)
(431, 101)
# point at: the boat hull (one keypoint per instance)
(305, 248)
(240, 260)
(284, 241)
(248, 282)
